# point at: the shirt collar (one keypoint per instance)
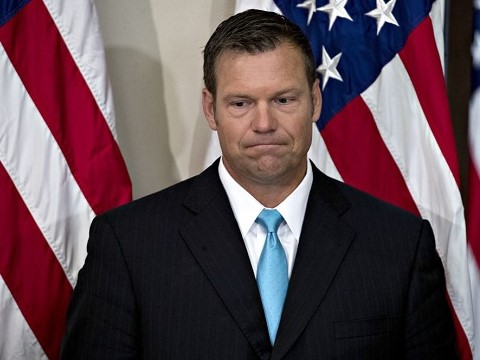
(246, 208)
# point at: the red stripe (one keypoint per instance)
(473, 213)
(463, 347)
(361, 157)
(422, 61)
(59, 91)
(31, 270)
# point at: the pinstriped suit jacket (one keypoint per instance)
(168, 277)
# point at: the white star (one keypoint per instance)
(476, 50)
(311, 6)
(328, 68)
(383, 14)
(335, 8)
(476, 4)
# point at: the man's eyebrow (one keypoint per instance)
(294, 91)
(233, 96)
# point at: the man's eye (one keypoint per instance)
(238, 104)
(283, 101)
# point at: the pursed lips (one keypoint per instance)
(265, 142)
(266, 148)
(265, 145)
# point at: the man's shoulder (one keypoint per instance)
(380, 228)
(354, 202)
(149, 206)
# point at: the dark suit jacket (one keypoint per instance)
(168, 277)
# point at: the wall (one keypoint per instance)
(154, 58)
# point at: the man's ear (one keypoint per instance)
(208, 105)
(317, 100)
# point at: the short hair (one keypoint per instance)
(254, 31)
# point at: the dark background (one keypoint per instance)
(459, 24)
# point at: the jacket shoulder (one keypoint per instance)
(189, 195)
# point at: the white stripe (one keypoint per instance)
(399, 116)
(39, 171)
(17, 341)
(474, 129)
(437, 14)
(77, 22)
(474, 268)
(320, 155)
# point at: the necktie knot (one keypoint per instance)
(270, 219)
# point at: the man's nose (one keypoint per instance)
(264, 119)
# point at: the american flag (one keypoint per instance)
(60, 164)
(473, 209)
(385, 126)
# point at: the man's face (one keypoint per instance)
(263, 113)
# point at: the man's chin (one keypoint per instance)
(270, 172)
(260, 152)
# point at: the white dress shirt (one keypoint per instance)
(246, 209)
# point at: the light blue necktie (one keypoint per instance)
(272, 271)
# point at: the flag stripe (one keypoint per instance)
(473, 230)
(398, 116)
(320, 155)
(474, 269)
(473, 210)
(31, 270)
(78, 25)
(437, 15)
(473, 234)
(41, 174)
(474, 130)
(463, 346)
(430, 88)
(35, 47)
(427, 176)
(17, 341)
(352, 134)
(59, 164)
(473, 213)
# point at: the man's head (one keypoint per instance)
(262, 98)
(254, 31)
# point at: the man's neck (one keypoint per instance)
(271, 193)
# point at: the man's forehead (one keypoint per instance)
(233, 52)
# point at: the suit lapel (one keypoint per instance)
(323, 244)
(215, 240)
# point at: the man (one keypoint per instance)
(197, 271)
